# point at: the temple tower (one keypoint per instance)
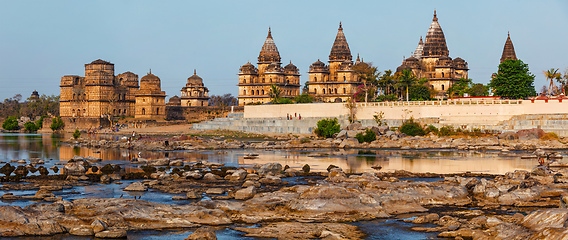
(508, 50)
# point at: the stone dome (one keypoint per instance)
(150, 81)
(248, 68)
(318, 66)
(195, 80)
(291, 68)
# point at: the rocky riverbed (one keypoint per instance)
(517, 205)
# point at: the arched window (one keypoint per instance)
(270, 79)
(442, 74)
(114, 112)
(442, 86)
(157, 111)
(74, 96)
(344, 90)
(335, 91)
(315, 91)
(262, 93)
(262, 80)
(344, 78)
(324, 91)
(143, 111)
(257, 92)
(118, 111)
(335, 78)
(244, 92)
(315, 79)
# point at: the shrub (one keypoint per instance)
(390, 97)
(549, 136)
(56, 124)
(30, 127)
(304, 98)
(11, 123)
(327, 127)
(412, 128)
(446, 131)
(284, 101)
(369, 136)
(76, 134)
(431, 129)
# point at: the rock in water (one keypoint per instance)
(270, 168)
(203, 233)
(112, 233)
(136, 186)
(245, 193)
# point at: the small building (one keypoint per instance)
(194, 94)
(431, 61)
(338, 81)
(34, 97)
(255, 83)
(150, 99)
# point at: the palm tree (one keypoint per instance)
(551, 74)
(385, 82)
(274, 93)
(406, 79)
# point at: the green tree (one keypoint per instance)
(419, 92)
(412, 128)
(30, 127)
(513, 80)
(11, 123)
(304, 98)
(57, 124)
(551, 75)
(477, 90)
(386, 81)
(369, 75)
(274, 93)
(406, 79)
(459, 88)
(76, 134)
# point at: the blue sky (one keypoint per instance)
(40, 41)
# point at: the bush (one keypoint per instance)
(431, 129)
(30, 127)
(369, 136)
(11, 123)
(76, 134)
(284, 101)
(56, 124)
(304, 98)
(412, 128)
(549, 136)
(327, 127)
(446, 131)
(384, 98)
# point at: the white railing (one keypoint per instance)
(437, 103)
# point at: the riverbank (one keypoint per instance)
(260, 202)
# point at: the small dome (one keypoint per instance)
(194, 79)
(101, 62)
(150, 81)
(318, 63)
(290, 66)
(318, 66)
(412, 59)
(248, 68)
(403, 67)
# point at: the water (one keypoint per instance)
(54, 153)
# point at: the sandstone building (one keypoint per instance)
(98, 94)
(255, 83)
(150, 99)
(337, 81)
(431, 60)
(194, 94)
(508, 50)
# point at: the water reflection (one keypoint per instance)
(48, 147)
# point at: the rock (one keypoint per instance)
(74, 168)
(193, 195)
(43, 193)
(15, 221)
(508, 136)
(92, 159)
(98, 226)
(300, 230)
(349, 143)
(540, 219)
(203, 233)
(193, 174)
(238, 175)
(252, 176)
(383, 129)
(271, 180)
(353, 133)
(342, 134)
(106, 179)
(249, 183)
(76, 159)
(159, 162)
(270, 169)
(539, 171)
(354, 126)
(43, 207)
(211, 177)
(112, 233)
(245, 193)
(426, 218)
(82, 231)
(176, 163)
(534, 133)
(136, 186)
(217, 191)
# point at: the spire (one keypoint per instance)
(508, 50)
(194, 71)
(435, 42)
(269, 52)
(358, 60)
(419, 49)
(340, 49)
(150, 71)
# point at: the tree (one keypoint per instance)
(327, 127)
(386, 82)
(56, 124)
(223, 100)
(369, 76)
(304, 98)
(11, 123)
(513, 80)
(31, 127)
(406, 79)
(419, 92)
(274, 93)
(459, 88)
(551, 75)
(477, 90)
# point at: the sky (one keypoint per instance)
(41, 41)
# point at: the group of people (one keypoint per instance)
(296, 115)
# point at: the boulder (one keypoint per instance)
(74, 168)
(245, 193)
(349, 143)
(43, 207)
(193, 195)
(270, 169)
(540, 219)
(203, 233)
(342, 134)
(426, 218)
(98, 226)
(534, 133)
(43, 193)
(353, 133)
(15, 221)
(249, 183)
(176, 163)
(238, 175)
(354, 126)
(217, 191)
(82, 231)
(271, 180)
(136, 186)
(159, 162)
(193, 174)
(383, 129)
(508, 136)
(112, 233)
(106, 179)
(211, 177)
